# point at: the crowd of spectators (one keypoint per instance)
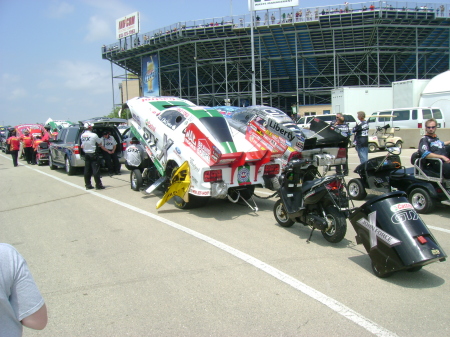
(273, 18)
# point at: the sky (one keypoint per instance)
(50, 54)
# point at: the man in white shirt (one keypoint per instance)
(89, 143)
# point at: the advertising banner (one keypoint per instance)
(127, 25)
(150, 78)
(257, 5)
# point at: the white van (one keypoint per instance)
(305, 122)
(407, 118)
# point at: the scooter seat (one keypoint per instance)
(307, 184)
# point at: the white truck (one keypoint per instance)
(350, 100)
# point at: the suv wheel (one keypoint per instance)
(70, 170)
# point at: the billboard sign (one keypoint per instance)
(127, 25)
(150, 78)
(257, 5)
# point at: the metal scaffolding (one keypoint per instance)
(298, 59)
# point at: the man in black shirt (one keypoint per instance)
(430, 146)
(361, 132)
(344, 130)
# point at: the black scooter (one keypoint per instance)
(320, 203)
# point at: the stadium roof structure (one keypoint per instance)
(301, 54)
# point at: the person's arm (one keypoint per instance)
(38, 320)
(438, 156)
(447, 142)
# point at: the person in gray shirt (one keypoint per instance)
(21, 303)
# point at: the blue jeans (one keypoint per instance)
(363, 153)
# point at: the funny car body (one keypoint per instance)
(195, 154)
(270, 128)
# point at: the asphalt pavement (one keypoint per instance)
(109, 264)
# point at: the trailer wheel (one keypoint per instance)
(372, 147)
(421, 200)
(356, 189)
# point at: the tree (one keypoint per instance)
(115, 113)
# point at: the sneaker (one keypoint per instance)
(101, 187)
(89, 187)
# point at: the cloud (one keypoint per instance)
(99, 29)
(77, 75)
(59, 9)
(16, 93)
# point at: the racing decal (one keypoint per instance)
(150, 125)
(193, 166)
(280, 130)
(201, 145)
(200, 193)
(244, 175)
(376, 232)
(148, 139)
(136, 119)
(167, 143)
(263, 139)
(401, 206)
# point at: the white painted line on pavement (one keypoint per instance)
(439, 229)
(278, 274)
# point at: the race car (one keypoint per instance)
(195, 153)
(270, 128)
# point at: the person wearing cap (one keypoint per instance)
(109, 153)
(135, 154)
(27, 142)
(14, 145)
(89, 143)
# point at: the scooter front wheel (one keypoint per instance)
(281, 215)
(337, 225)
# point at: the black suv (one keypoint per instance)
(65, 151)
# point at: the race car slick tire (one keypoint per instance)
(136, 180)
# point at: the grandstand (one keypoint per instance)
(301, 54)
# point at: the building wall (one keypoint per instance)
(312, 110)
(130, 89)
